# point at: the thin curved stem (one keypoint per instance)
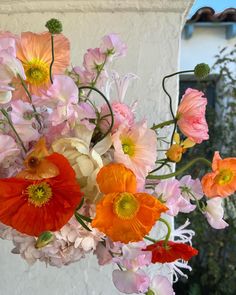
(51, 64)
(181, 170)
(150, 239)
(168, 230)
(108, 104)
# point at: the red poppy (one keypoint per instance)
(33, 206)
(171, 252)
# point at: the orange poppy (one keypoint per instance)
(221, 182)
(35, 206)
(36, 164)
(35, 53)
(124, 214)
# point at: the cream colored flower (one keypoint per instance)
(85, 161)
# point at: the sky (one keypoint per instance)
(217, 5)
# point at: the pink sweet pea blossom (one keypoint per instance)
(130, 282)
(191, 188)
(112, 45)
(160, 285)
(169, 191)
(93, 59)
(24, 121)
(8, 147)
(191, 115)
(136, 148)
(214, 213)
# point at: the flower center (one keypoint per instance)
(126, 206)
(225, 176)
(128, 146)
(37, 72)
(39, 194)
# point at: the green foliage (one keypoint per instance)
(214, 269)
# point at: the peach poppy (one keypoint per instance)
(123, 214)
(35, 53)
(221, 182)
(35, 206)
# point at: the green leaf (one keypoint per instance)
(86, 218)
(80, 205)
(77, 216)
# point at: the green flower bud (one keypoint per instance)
(150, 292)
(44, 239)
(201, 71)
(54, 26)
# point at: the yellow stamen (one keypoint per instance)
(126, 206)
(37, 72)
(39, 194)
(128, 146)
(225, 176)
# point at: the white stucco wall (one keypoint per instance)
(151, 28)
(203, 46)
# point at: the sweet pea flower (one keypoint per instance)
(8, 148)
(169, 192)
(24, 121)
(191, 116)
(214, 213)
(10, 67)
(130, 282)
(160, 285)
(94, 59)
(113, 45)
(191, 188)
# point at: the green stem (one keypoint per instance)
(109, 106)
(181, 170)
(30, 99)
(51, 64)
(5, 114)
(98, 74)
(163, 124)
(150, 239)
(168, 230)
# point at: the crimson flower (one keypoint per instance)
(162, 253)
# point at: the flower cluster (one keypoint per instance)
(79, 177)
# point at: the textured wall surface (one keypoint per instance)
(151, 29)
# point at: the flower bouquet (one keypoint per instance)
(80, 177)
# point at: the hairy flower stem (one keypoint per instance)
(168, 231)
(181, 170)
(5, 114)
(51, 64)
(98, 74)
(163, 124)
(30, 99)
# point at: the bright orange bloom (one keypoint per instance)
(36, 164)
(35, 53)
(35, 206)
(221, 182)
(123, 214)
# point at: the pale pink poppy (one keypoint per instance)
(191, 115)
(136, 148)
(214, 213)
(8, 147)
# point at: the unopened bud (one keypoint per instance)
(44, 239)
(201, 71)
(54, 26)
